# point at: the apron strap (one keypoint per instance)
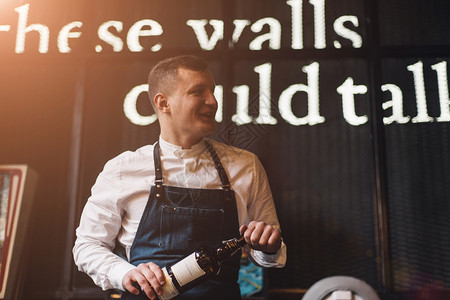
(158, 171)
(226, 186)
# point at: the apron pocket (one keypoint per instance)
(183, 229)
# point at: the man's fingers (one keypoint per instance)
(265, 236)
(257, 229)
(158, 279)
(130, 283)
(147, 277)
(275, 238)
(159, 274)
(154, 279)
(261, 236)
(242, 229)
(132, 288)
(247, 231)
(141, 279)
(274, 242)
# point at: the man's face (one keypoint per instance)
(193, 105)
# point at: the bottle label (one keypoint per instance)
(169, 289)
(187, 270)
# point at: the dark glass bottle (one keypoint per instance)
(197, 267)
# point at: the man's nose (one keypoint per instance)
(211, 99)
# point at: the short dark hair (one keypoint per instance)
(164, 74)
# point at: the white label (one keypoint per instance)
(169, 289)
(187, 270)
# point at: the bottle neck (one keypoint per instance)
(230, 247)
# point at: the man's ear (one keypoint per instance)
(161, 103)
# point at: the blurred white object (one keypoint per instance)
(340, 288)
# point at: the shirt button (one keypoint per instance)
(178, 153)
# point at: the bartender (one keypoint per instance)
(162, 201)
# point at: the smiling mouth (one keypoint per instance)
(208, 114)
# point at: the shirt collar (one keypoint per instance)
(175, 150)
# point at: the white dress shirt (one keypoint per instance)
(120, 193)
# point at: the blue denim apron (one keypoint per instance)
(178, 220)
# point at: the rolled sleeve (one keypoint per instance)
(96, 235)
(262, 208)
(277, 260)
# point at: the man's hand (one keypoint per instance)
(148, 276)
(261, 236)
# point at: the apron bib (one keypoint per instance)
(178, 220)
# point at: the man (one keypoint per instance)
(162, 201)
